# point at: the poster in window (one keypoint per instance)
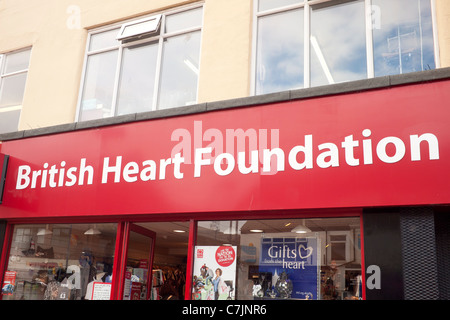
(9, 282)
(289, 268)
(214, 273)
(101, 291)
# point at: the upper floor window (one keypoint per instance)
(142, 65)
(13, 76)
(300, 43)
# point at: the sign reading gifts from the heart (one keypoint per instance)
(296, 259)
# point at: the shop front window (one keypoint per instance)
(60, 262)
(305, 259)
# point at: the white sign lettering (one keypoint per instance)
(301, 157)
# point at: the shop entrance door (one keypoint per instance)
(139, 261)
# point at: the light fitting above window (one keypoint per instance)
(93, 231)
(44, 232)
(301, 228)
(140, 27)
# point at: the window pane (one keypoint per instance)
(169, 259)
(9, 120)
(99, 86)
(338, 47)
(137, 79)
(184, 20)
(59, 261)
(279, 57)
(271, 4)
(137, 266)
(103, 40)
(179, 75)
(17, 61)
(403, 36)
(141, 28)
(267, 259)
(12, 89)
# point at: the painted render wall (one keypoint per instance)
(57, 31)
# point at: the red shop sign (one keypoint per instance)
(373, 148)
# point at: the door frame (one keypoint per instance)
(125, 231)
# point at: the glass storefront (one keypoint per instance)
(169, 258)
(314, 258)
(317, 258)
(59, 261)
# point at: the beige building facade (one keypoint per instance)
(327, 119)
(57, 32)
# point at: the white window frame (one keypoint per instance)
(148, 26)
(124, 43)
(6, 75)
(306, 54)
(348, 242)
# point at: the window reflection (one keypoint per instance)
(13, 76)
(104, 40)
(338, 43)
(184, 20)
(12, 89)
(137, 267)
(399, 34)
(9, 120)
(137, 78)
(17, 61)
(60, 262)
(99, 85)
(403, 37)
(268, 259)
(279, 57)
(179, 75)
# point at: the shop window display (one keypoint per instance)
(60, 262)
(308, 259)
(168, 277)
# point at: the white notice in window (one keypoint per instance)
(101, 291)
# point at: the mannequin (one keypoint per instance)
(90, 286)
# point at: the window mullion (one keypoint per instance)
(14, 73)
(116, 83)
(83, 80)
(279, 9)
(1, 63)
(369, 39)
(183, 31)
(306, 47)
(158, 65)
